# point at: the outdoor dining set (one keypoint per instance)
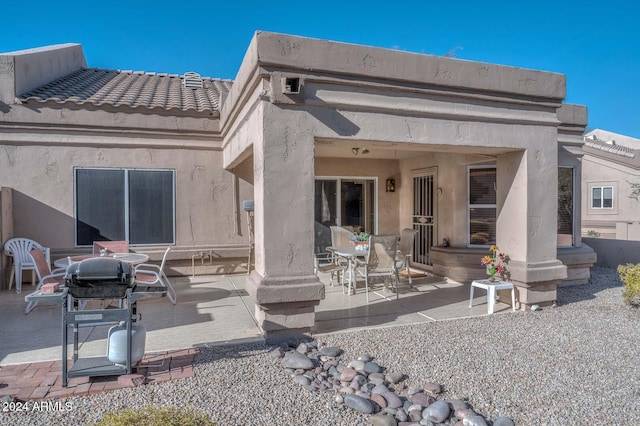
(27, 254)
(372, 256)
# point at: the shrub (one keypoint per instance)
(155, 416)
(593, 234)
(630, 276)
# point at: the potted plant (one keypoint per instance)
(360, 239)
(496, 264)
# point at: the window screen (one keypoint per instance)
(482, 206)
(119, 204)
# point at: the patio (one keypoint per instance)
(215, 309)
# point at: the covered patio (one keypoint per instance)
(216, 309)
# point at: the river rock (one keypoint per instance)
(296, 360)
(357, 365)
(380, 389)
(422, 399)
(382, 420)
(437, 412)
(433, 388)
(503, 421)
(330, 351)
(347, 374)
(475, 420)
(359, 404)
(379, 399)
(393, 400)
(394, 377)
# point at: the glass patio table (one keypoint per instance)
(351, 253)
(133, 258)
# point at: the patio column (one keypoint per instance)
(283, 284)
(527, 221)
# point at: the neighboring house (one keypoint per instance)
(316, 133)
(610, 172)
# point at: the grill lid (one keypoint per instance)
(101, 269)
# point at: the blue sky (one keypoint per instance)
(595, 43)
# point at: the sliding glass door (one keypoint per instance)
(344, 201)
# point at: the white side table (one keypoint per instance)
(491, 288)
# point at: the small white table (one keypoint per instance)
(350, 253)
(492, 287)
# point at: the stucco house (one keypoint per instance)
(316, 133)
(610, 173)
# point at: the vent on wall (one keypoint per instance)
(192, 80)
(290, 85)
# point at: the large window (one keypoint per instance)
(602, 197)
(482, 206)
(125, 204)
(565, 206)
(345, 201)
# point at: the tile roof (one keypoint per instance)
(144, 92)
(612, 148)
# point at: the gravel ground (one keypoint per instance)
(576, 364)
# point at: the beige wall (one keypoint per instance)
(597, 171)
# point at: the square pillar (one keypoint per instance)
(527, 220)
(283, 284)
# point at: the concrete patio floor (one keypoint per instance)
(216, 309)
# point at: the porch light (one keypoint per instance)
(391, 185)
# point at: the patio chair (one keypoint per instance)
(340, 237)
(18, 249)
(405, 251)
(380, 260)
(328, 263)
(110, 247)
(45, 275)
(150, 274)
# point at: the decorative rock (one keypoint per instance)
(437, 412)
(503, 421)
(461, 414)
(413, 390)
(457, 404)
(357, 382)
(348, 374)
(422, 399)
(330, 351)
(301, 380)
(401, 415)
(379, 399)
(339, 399)
(474, 421)
(392, 400)
(433, 388)
(382, 420)
(415, 415)
(359, 404)
(357, 365)
(296, 360)
(367, 387)
(365, 358)
(347, 390)
(380, 389)
(302, 348)
(394, 377)
(372, 367)
(277, 353)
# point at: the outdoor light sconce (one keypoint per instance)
(355, 150)
(391, 185)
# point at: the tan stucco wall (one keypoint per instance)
(42, 181)
(597, 171)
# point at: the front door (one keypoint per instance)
(424, 215)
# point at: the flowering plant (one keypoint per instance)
(496, 262)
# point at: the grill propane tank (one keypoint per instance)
(117, 343)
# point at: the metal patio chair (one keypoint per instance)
(45, 275)
(151, 274)
(380, 260)
(405, 251)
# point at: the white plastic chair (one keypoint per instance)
(150, 274)
(19, 249)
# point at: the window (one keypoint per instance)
(565, 206)
(125, 204)
(602, 197)
(343, 202)
(482, 206)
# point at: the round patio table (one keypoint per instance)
(133, 258)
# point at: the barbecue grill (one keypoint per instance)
(100, 278)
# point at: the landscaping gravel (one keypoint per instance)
(575, 364)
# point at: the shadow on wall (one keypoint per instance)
(612, 252)
(40, 222)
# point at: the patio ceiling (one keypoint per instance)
(343, 148)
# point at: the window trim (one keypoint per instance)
(601, 188)
(339, 180)
(487, 206)
(126, 171)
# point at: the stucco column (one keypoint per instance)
(283, 284)
(527, 221)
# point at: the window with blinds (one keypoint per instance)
(482, 206)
